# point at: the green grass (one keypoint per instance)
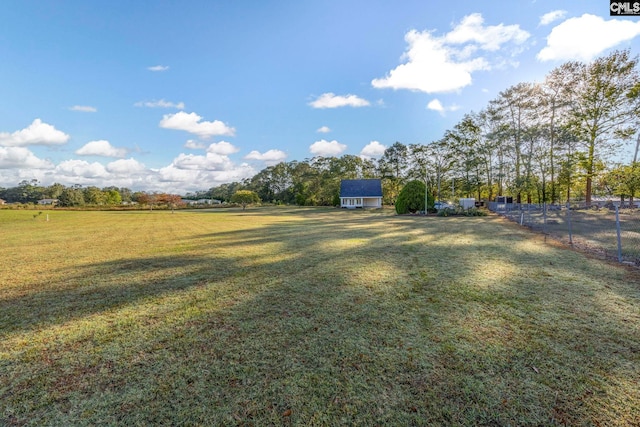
(284, 316)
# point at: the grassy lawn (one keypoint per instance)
(284, 316)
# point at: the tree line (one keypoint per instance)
(29, 192)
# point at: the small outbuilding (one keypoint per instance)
(48, 201)
(360, 193)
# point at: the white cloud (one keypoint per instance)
(192, 123)
(175, 174)
(270, 157)
(323, 129)
(81, 169)
(194, 145)
(210, 161)
(223, 147)
(326, 148)
(158, 68)
(160, 104)
(331, 100)
(490, 38)
(586, 37)
(184, 174)
(444, 64)
(183, 180)
(550, 17)
(237, 174)
(37, 133)
(436, 105)
(84, 108)
(189, 172)
(125, 167)
(20, 157)
(373, 149)
(101, 148)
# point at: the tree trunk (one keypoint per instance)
(590, 167)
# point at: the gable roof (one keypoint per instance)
(361, 188)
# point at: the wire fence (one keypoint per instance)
(609, 231)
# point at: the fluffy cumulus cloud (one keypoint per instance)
(180, 180)
(327, 148)
(194, 145)
(21, 157)
(237, 174)
(223, 148)
(185, 173)
(194, 173)
(216, 158)
(101, 148)
(553, 16)
(331, 100)
(586, 37)
(210, 162)
(435, 64)
(174, 174)
(270, 157)
(436, 105)
(84, 108)
(81, 169)
(128, 166)
(373, 149)
(323, 129)
(193, 123)
(37, 133)
(160, 104)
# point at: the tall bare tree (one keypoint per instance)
(604, 111)
(556, 95)
(513, 108)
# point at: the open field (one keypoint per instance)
(296, 316)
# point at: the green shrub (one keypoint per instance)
(411, 198)
(462, 212)
(475, 212)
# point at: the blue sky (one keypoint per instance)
(183, 96)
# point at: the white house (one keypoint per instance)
(360, 193)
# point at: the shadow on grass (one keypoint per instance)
(347, 318)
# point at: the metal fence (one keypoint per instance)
(609, 231)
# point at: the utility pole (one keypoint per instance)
(426, 190)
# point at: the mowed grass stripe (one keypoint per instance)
(308, 317)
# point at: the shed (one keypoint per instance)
(360, 193)
(48, 201)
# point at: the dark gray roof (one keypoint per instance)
(360, 188)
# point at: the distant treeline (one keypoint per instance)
(30, 192)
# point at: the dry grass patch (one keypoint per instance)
(309, 317)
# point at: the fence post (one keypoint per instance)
(569, 222)
(618, 234)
